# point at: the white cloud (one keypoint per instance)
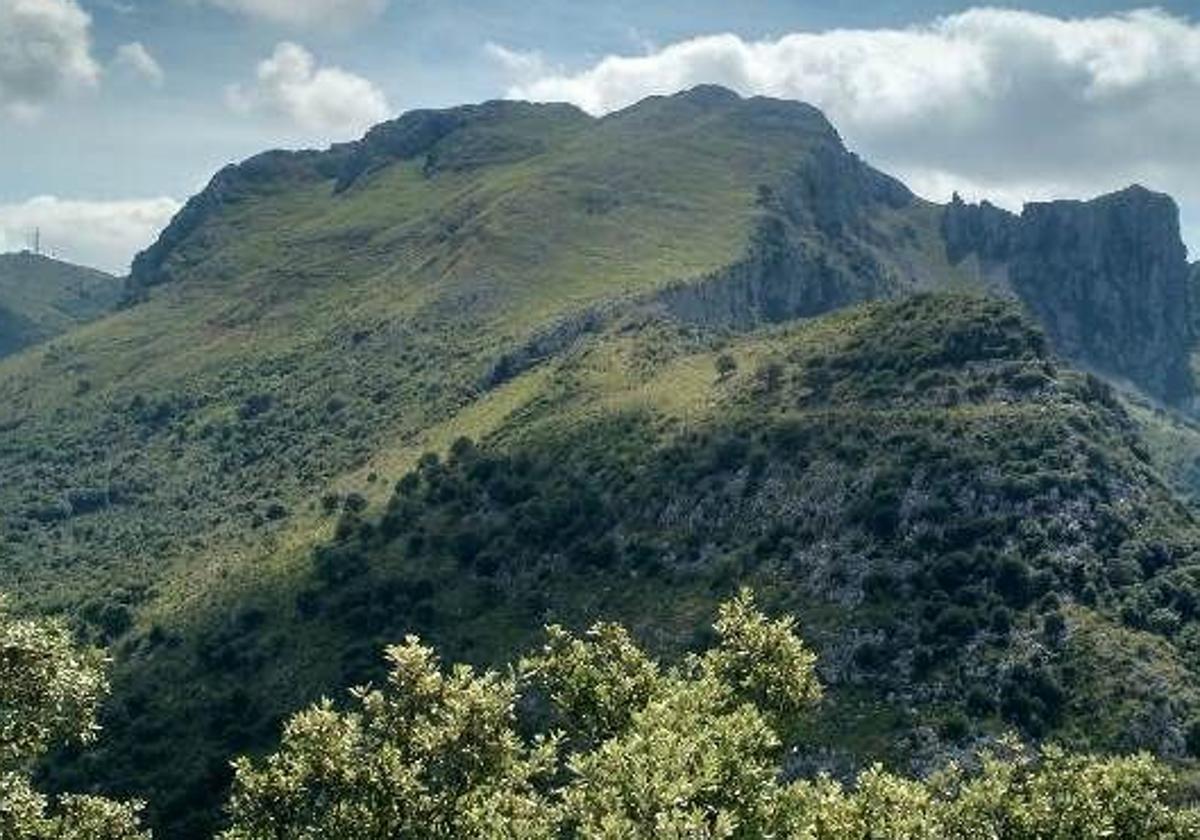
(103, 234)
(992, 102)
(290, 85)
(137, 58)
(337, 13)
(521, 66)
(45, 51)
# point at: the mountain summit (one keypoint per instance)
(1108, 278)
(722, 210)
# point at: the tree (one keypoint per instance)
(726, 365)
(591, 738)
(49, 693)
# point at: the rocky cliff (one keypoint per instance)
(1108, 278)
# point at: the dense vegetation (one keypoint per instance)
(506, 366)
(856, 478)
(965, 526)
(621, 746)
(587, 738)
(49, 691)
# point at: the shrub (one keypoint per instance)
(49, 693)
(637, 749)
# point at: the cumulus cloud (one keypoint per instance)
(994, 103)
(338, 13)
(137, 58)
(103, 234)
(45, 51)
(290, 85)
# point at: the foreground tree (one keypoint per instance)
(623, 747)
(49, 693)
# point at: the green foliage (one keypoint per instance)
(49, 692)
(763, 661)
(595, 683)
(915, 515)
(41, 298)
(667, 752)
(432, 756)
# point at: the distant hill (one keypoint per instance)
(42, 297)
(694, 343)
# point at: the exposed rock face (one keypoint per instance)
(781, 278)
(981, 229)
(1194, 287)
(816, 248)
(1108, 279)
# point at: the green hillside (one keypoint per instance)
(42, 297)
(958, 521)
(616, 337)
(297, 327)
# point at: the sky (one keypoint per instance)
(114, 112)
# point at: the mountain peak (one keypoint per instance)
(1138, 191)
(1135, 195)
(1107, 277)
(709, 95)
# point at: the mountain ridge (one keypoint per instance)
(1052, 255)
(517, 364)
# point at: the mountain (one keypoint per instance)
(41, 297)
(1108, 278)
(508, 363)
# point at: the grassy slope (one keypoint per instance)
(361, 320)
(41, 297)
(887, 473)
(317, 344)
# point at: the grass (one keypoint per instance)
(639, 428)
(313, 340)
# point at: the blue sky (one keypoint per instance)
(165, 92)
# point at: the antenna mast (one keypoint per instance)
(37, 241)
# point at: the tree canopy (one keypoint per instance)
(591, 738)
(49, 693)
(587, 738)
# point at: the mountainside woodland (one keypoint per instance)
(508, 365)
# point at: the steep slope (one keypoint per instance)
(42, 297)
(309, 308)
(1108, 278)
(968, 530)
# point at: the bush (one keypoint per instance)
(49, 693)
(632, 748)
(726, 365)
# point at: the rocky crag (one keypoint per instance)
(1108, 279)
